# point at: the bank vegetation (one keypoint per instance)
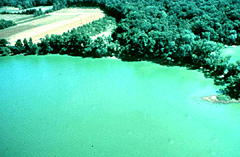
(171, 32)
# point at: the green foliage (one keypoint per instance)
(77, 42)
(4, 51)
(6, 23)
(30, 47)
(3, 42)
(44, 46)
(38, 13)
(19, 48)
(233, 87)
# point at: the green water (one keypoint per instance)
(234, 52)
(65, 106)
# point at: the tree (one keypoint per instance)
(4, 51)
(26, 46)
(18, 48)
(30, 47)
(3, 42)
(233, 87)
(44, 46)
(6, 23)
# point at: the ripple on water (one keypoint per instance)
(171, 141)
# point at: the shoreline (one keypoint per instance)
(214, 99)
(211, 98)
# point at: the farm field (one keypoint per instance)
(17, 18)
(52, 23)
(17, 10)
(9, 9)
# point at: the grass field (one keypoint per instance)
(53, 23)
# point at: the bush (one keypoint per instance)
(6, 23)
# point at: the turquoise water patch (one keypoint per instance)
(234, 52)
(68, 106)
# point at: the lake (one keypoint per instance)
(68, 106)
(233, 51)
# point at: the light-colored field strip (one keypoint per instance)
(9, 9)
(15, 18)
(17, 10)
(56, 23)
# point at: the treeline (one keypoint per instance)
(23, 4)
(77, 42)
(174, 32)
(95, 27)
(34, 12)
(6, 23)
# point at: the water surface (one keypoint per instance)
(68, 106)
(234, 52)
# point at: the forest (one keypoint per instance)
(172, 32)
